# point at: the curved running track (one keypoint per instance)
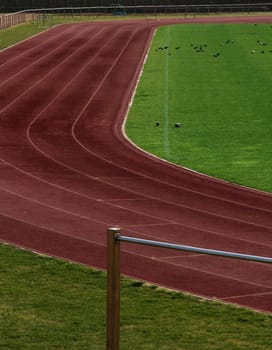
(68, 173)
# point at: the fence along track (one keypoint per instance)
(13, 19)
(42, 15)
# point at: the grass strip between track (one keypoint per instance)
(52, 304)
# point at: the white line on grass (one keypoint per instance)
(166, 93)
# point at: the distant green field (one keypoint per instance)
(222, 103)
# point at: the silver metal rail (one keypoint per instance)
(199, 250)
(11, 19)
(114, 239)
(168, 6)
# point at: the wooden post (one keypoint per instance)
(113, 289)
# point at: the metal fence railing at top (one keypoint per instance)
(45, 16)
(9, 20)
(114, 239)
(17, 5)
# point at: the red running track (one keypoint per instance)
(68, 173)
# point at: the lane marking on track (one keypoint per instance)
(143, 256)
(181, 256)
(33, 48)
(247, 295)
(133, 253)
(111, 200)
(216, 274)
(158, 180)
(100, 157)
(128, 226)
(269, 293)
(94, 153)
(43, 57)
(50, 230)
(64, 211)
(46, 75)
(220, 275)
(132, 229)
(178, 224)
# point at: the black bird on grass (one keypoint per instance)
(216, 54)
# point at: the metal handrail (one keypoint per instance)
(9, 19)
(192, 249)
(182, 6)
(113, 274)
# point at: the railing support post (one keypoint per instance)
(113, 289)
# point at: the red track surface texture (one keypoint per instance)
(68, 173)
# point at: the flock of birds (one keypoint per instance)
(198, 48)
(263, 44)
(201, 48)
(176, 125)
(162, 48)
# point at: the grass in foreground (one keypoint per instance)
(223, 103)
(52, 304)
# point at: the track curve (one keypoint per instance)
(68, 172)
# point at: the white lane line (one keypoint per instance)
(54, 69)
(152, 258)
(179, 256)
(33, 48)
(247, 295)
(41, 59)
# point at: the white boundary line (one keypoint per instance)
(136, 86)
(166, 98)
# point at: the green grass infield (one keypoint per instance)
(215, 80)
